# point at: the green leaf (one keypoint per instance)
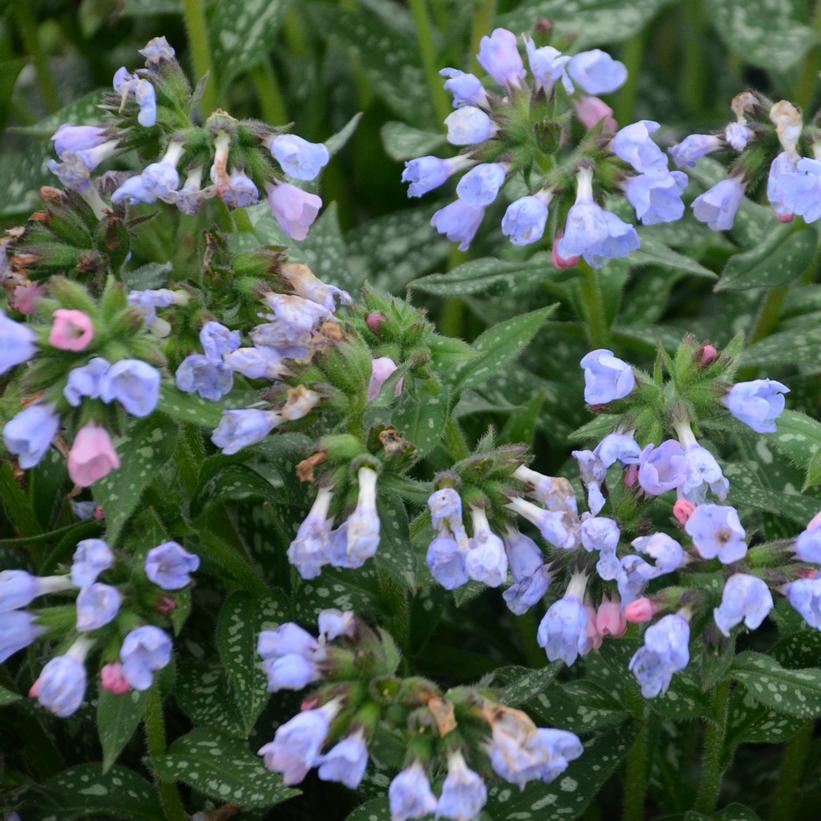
(783, 256)
(813, 472)
(746, 491)
(753, 723)
(148, 446)
(395, 553)
(577, 706)
(204, 694)
(150, 8)
(231, 483)
(223, 769)
(654, 252)
(798, 346)
(8, 697)
(524, 685)
(188, 407)
(117, 719)
(403, 142)
(487, 275)
(794, 692)
(798, 437)
(377, 809)
(336, 142)
(422, 413)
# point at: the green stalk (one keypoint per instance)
(195, 24)
(242, 221)
(635, 775)
(595, 318)
(693, 65)
(271, 101)
(155, 739)
(30, 35)
(625, 104)
(793, 765)
(808, 77)
(769, 314)
(427, 50)
(712, 769)
(481, 25)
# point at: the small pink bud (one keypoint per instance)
(631, 475)
(815, 522)
(560, 262)
(71, 331)
(641, 610)
(707, 354)
(374, 321)
(683, 510)
(807, 573)
(92, 456)
(610, 620)
(594, 637)
(34, 690)
(309, 703)
(591, 110)
(166, 605)
(99, 513)
(25, 297)
(112, 679)
(381, 369)
(785, 217)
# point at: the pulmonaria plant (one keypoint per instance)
(548, 133)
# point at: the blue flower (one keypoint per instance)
(168, 565)
(525, 219)
(745, 598)
(446, 562)
(18, 629)
(77, 138)
(596, 71)
(531, 577)
(738, 135)
(667, 553)
(563, 630)
(632, 577)
(238, 191)
(803, 594)
(691, 149)
(217, 340)
(717, 206)
(335, 623)
(717, 533)
(464, 792)
(285, 640)
(239, 429)
(410, 795)
(19, 343)
(199, 374)
(299, 158)
(85, 381)
(144, 650)
(426, 173)
(593, 473)
(664, 653)
(606, 377)
(466, 89)
(547, 64)
(29, 434)
(480, 186)
(634, 145)
(133, 191)
(92, 557)
(808, 545)
(600, 533)
(156, 50)
(485, 560)
(757, 404)
(656, 198)
(805, 196)
(97, 605)
(126, 84)
(346, 761)
(662, 468)
(256, 363)
(295, 314)
(362, 526)
(17, 589)
(445, 509)
(703, 473)
(134, 384)
(289, 672)
(559, 527)
(618, 447)
(783, 183)
(499, 57)
(554, 492)
(61, 686)
(458, 222)
(294, 209)
(469, 125)
(73, 173)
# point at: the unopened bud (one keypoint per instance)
(683, 510)
(631, 475)
(641, 610)
(706, 355)
(374, 321)
(166, 605)
(785, 217)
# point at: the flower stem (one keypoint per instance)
(271, 101)
(635, 775)
(155, 739)
(195, 25)
(808, 76)
(625, 104)
(481, 25)
(712, 762)
(427, 50)
(793, 765)
(595, 318)
(29, 33)
(769, 314)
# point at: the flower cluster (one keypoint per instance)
(106, 614)
(358, 693)
(522, 133)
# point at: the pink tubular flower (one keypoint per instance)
(92, 456)
(71, 331)
(594, 635)
(294, 209)
(631, 475)
(591, 110)
(682, 510)
(381, 370)
(112, 679)
(25, 297)
(558, 261)
(610, 620)
(641, 610)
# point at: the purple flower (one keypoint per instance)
(656, 198)
(745, 598)
(199, 374)
(738, 135)
(346, 761)
(134, 384)
(77, 138)
(294, 209)
(618, 447)
(527, 590)
(299, 158)
(29, 434)
(426, 173)
(466, 89)
(525, 219)
(703, 473)
(757, 404)
(692, 148)
(666, 552)
(634, 145)
(499, 57)
(563, 630)
(335, 623)
(73, 173)
(606, 377)
(156, 50)
(445, 509)
(486, 560)
(97, 605)
(217, 340)
(144, 650)
(808, 546)
(464, 792)
(161, 179)
(19, 343)
(362, 526)
(596, 71)
(85, 381)
(61, 686)
(458, 222)
(18, 629)
(296, 745)
(92, 557)
(255, 363)
(239, 429)
(289, 672)
(600, 533)
(308, 552)
(632, 577)
(803, 594)
(133, 191)
(469, 125)
(481, 184)
(295, 314)
(554, 492)
(717, 533)
(664, 653)
(446, 562)
(782, 182)
(547, 64)
(805, 193)
(662, 468)
(168, 565)
(285, 640)
(410, 795)
(717, 206)
(17, 589)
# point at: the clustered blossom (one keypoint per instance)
(489, 126)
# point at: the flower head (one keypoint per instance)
(691, 149)
(18, 629)
(563, 630)
(717, 533)
(97, 605)
(294, 209)
(805, 596)
(459, 222)
(662, 468)
(92, 557)
(92, 456)
(169, 566)
(656, 198)
(479, 187)
(410, 794)
(308, 552)
(61, 686)
(144, 650)
(634, 145)
(466, 89)
(29, 434)
(717, 207)
(499, 57)
(757, 404)
(525, 219)
(345, 762)
(464, 792)
(85, 381)
(745, 598)
(19, 343)
(606, 377)
(239, 429)
(664, 653)
(486, 560)
(446, 561)
(134, 384)
(299, 158)
(597, 72)
(71, 330)
(469, 125)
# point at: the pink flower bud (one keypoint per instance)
(785, 217)
(309, 703)
(631, 475)
(112, 679)
(166, 605)
(25, 297)
(560, 262)
(610, 620)
(641, 610)
(99, 513)
(71, 331)
(92, 456)
(374, 321)
(591, 110)
(683, 510)
(381, 369)
(807, 573)
(707, 354)
(594, 637)
(34, 690)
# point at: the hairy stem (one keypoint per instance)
(635, 775)
(155, 739)
(769, 314)
(456, 442)
(712, 767)
(793, 765)
(595, 318)
(195, 25)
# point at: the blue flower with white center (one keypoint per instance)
(717, 206)
(92, 557)
(525, 218)
(240, 429)
(596, 71)
(144, 651)
(19, 343)
(665, 652)
(297, 157)
(217, 340)
(547, 64)
(656, 198)
(30, 434)
(757, 404)
(458, 222)
(464, 792)
(469, 125)
(19, 588)
(805, 597)
(480, 186)
(716, 532)
(334, 623)
(134, 384)
(738, 135)
(410, 794)
(346, 761)
(97, 605)
(61, 686)
(634, 145)
(745, 598)
(199, 374)
(85, 381)
(606, 377)
(426, 173)
(485, 560)
(18, 629)
(499, 57)
(466, 89)
(308, 552)
(169, 566)
(563, 630)
(808, 546)
(692, 148)
(663, 467)
(446, 561)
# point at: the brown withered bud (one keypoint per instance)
(305, 469)
(52, 195)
